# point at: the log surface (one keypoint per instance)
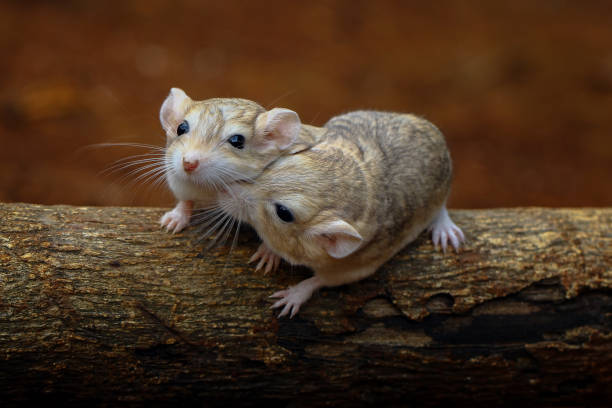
(100, 305)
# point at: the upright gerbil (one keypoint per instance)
(216, 142)
(349, 203)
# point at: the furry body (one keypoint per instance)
(371, 185)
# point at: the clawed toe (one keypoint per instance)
(294, 297)
(290, 306)
(279, 294)
(258, 254)
(268, 260)
(443, 230)
(177, 219)
(172, 225)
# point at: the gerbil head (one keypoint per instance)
(215, 142)
(294, 207)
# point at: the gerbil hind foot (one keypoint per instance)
(268, 260)
(296, 296)
(443, 230)
(178, 218)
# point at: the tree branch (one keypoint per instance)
(100, 304)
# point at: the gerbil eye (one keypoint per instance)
(237, 141)
(182, 128)
(283, 213)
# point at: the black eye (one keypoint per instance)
(182, 128)
(283, 213)
(237, 141)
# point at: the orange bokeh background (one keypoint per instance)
(522, 90)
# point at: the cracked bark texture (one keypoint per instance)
(98, 305)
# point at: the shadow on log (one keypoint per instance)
(98, 305)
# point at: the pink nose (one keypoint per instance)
(190, 165)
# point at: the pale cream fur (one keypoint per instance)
(211, 122)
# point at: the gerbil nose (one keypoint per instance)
(190, 165)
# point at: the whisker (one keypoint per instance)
(230, 254)
(142, 172)
(128, 158)
(128, 162)
(124, 166)
(227, 229)
(152, 170)
(161, 179)
(147, 175)
(203, 217)
(219, 227)
(146, 165)
(226, 187)
(150, 178)
(235, 239)
(222, 235)
(123, 144)
(149, 169)
(212, 224)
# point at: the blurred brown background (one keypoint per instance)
(522, 90)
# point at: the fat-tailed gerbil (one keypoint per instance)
(216, 142)
(348, 204)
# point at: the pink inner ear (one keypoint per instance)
(327, 241)
(172, 110)
(342, 241)
(282, 128)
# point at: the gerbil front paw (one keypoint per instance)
(295, 296)
(443, 229)
(178, 218)
(174, 221)
(266, 258)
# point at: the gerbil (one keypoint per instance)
(216, 142)
(348, 204)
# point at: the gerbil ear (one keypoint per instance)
(338, 238)
(278, 128)
(173, 109)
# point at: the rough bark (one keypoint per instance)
(99, 305)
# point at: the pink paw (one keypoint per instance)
(443, 230)
(295, 296)
(178, 218)
(267, 259)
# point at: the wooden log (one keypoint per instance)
(100, 305)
